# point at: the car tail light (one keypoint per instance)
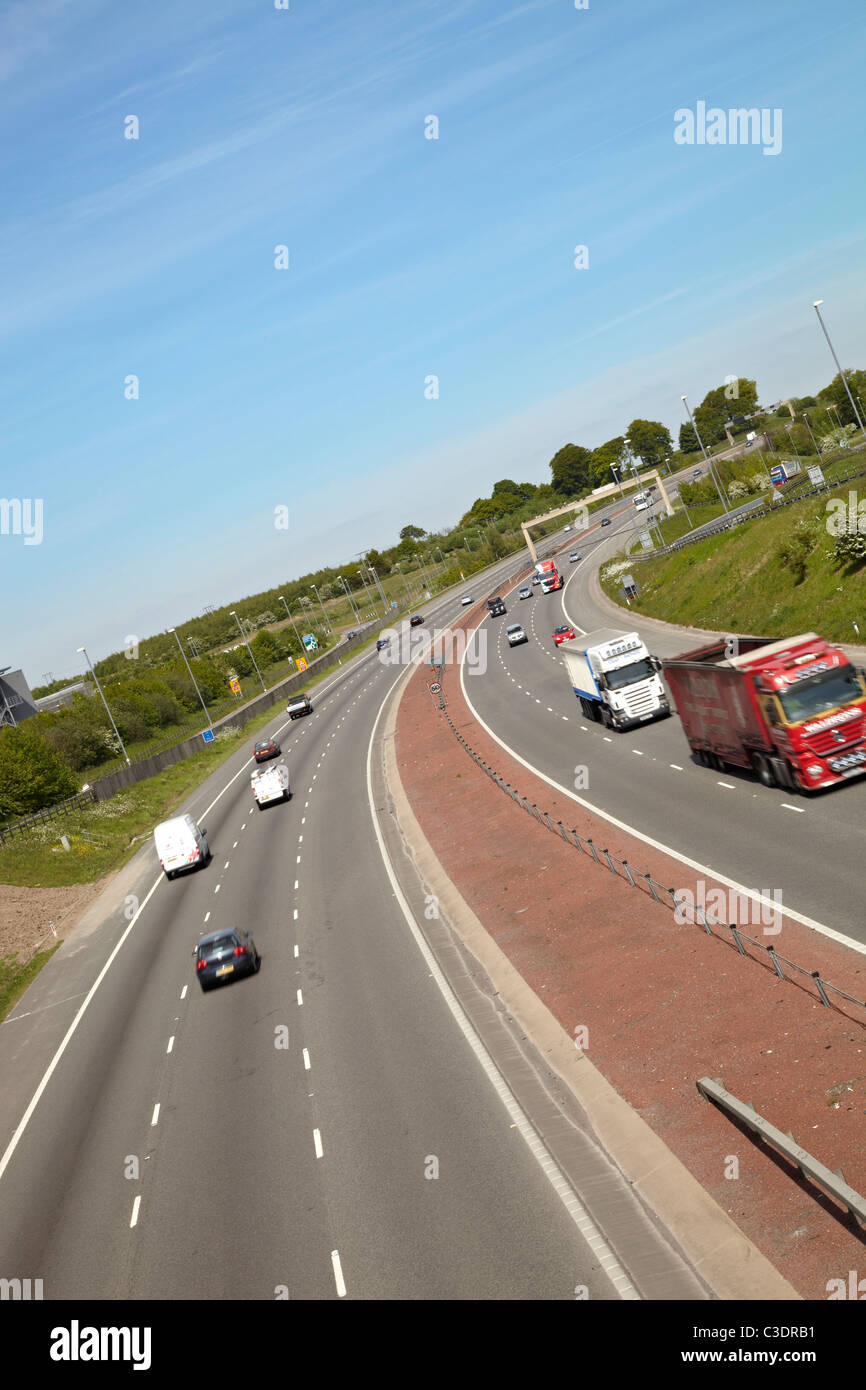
(239, 951)
(200, 964)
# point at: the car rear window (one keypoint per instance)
(211, 949)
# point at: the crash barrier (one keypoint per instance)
(693, 914)
(745, 1112)
(727, 523)
(49, 813)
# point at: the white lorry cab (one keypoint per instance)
(270, 784)
(180, 844)
(299, 705)
(615, 678)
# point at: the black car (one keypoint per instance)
(497, 607)
(268, 748)
(383, 642)
(605, 521)
(350, 635)
(223, 955)
(416, 621)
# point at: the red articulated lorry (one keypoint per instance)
(793, 711)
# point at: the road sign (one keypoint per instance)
(310, 642)
(236, 687)
(435, 688)
(301, 664)
(207, 735)
(816, 477)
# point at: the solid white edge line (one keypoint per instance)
(338, 1273)
(566, 1193)
(802, 918)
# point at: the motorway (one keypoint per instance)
(271, 1138)
(805, 848)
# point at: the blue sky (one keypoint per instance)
(408, 257)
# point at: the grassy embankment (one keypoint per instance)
(776, 575)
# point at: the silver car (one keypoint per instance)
(515, 635)
(525, 592)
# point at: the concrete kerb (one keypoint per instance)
(732, 1266)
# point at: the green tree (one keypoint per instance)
(606, 457)
(688, 439)
(650, 440)
(571, 471)
(32, 773)
(412, 533)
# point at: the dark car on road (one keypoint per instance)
(268, 748)
(223, 955)
(416, 620)
(605, 521)
(383, 642)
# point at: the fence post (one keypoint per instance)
(816, 976)
(732, 927)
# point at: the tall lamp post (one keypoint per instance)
(249, 648)
(707, 458)
(360, 574)
(371, 571)
(105, 702)
(292, 621)
(192, 677)
(349, 597)
(321, 605)
(816, 306)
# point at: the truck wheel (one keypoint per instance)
(764, 771)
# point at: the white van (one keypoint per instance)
(180, 844)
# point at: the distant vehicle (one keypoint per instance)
(383, 642)
(416, 620)
(515, 635)
(641, 504)
(466, 600)
(222, 955)
(794, 711)
(524, 591)
(616, 679)
(497, 607)
(267, 748)
(697, 474)
(536, 579)
(566, 528)
(180, 844)
(270, 784)
(605, 521)
(574, 557)
(564, 633)
(299, 705)
(352, 634)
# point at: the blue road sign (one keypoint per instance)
(207, 735)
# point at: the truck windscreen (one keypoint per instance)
(627, 675)
(821, 693)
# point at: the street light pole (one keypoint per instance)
(321, 605)
(192, 677)
(105, 702)
(371, 570)
(707, 458)
(360, 574)
(805, 420)
(816, 307)
(292, 621)
(249, 649)
(349, 597)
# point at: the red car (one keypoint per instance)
(563, 634)
(266, 749)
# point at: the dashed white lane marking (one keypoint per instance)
(300, 839)
(296, 883)
(729, 785)
(183, 992)
(298, 860)
(317, 1140)
(676, 767)
(306, 803)
(170, 1043)
(154, 1119)
(226, 864)
(295, 915)
(306, 1060)
(801, 810)
(606, 739)
(136, 1207)
(235, 845)
(216, 890)
(207, 916)
(244, 826)
(303, 820)
(300, 997)
(637, 752)
(296, 950)
(338, 1273)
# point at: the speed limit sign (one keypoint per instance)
(435, 688)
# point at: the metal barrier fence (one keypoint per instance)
(661, 894)
(61, 808)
